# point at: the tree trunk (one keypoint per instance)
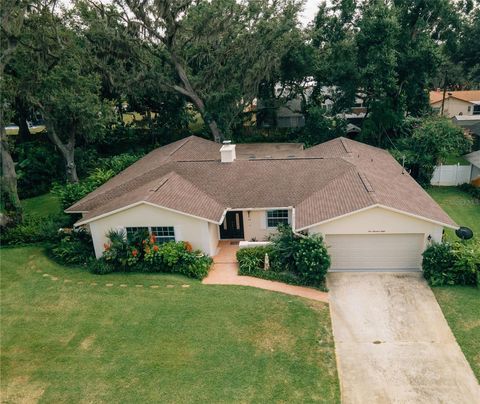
(9, 190)
(22, 110)
(188, 91)
(67, 150)
(444, 93)
(70, 166)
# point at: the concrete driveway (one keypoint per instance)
(393, 343)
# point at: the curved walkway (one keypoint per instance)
(225, 272)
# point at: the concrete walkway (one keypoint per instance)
(225, 272)
(393, 343)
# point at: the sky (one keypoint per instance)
(310, 10)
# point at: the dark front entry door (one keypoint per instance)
(232, 226)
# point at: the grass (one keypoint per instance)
(461, 307)
(43, 205)
(460, 206)
(454, 160)
(461, 304)
(76, 341)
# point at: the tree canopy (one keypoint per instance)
(217, 68)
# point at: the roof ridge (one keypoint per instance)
(187, 139)
(344, 144)
(172, 174)
(351, 169)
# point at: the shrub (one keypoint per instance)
(107, 168)
(118, 252)
(295, 259)
(73, 192)
(39, 164)
(251, 260)
(194, 264)
(452, 264)
(34, 230)
(142, 253)
(100, 266)
(284, 244)
(470, 189)
(74, 248)
(312, 259)
(303, 255)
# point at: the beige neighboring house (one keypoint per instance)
(372, 213)
(456, 102)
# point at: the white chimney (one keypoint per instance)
(227, 152)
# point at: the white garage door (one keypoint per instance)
(375, 251)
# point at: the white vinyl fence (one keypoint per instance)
(451, 175)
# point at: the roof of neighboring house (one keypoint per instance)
(474, 158)
(326, 181)
(471, 96)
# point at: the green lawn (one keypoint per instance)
(40, 206)
(461, 207)
(461, 307)
(67, 337)
(453, 160)
(460, 304)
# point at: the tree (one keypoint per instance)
(384, 52)
(431, 142)
(12, 17)
(130, 75)
(218, 51)
(51, 69)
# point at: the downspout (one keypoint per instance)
(293, 224)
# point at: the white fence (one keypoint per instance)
(451, 175)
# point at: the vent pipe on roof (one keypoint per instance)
(227, 152)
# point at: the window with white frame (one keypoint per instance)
(134, 231)
(163, 234)
(476, 110)
(276, 217)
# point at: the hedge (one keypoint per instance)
(452, 264)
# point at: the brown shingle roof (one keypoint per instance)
(468, 96)
(326, 181)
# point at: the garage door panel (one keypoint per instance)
(375, 251)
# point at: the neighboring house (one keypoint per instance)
(288, 112)
(474, 159)
(472, 124)
(456, 102)
(372, 213)
(33, 127)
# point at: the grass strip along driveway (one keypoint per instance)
(68, 335)
(461, 304)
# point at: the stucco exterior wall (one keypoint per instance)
(454, 106)
(193, 230)
(380, 221)
(255, 224)
(213, 238)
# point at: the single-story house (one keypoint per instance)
(456, 102)
(372, 214)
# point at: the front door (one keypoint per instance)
(232, 226)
